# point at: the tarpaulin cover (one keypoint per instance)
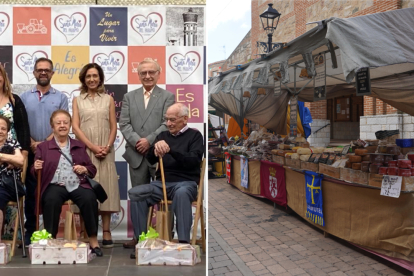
(373, 40)
(379, 41)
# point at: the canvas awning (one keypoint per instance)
(383, 42)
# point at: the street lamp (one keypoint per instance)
(269, 22)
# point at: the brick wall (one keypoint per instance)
(374, 106)
(318, 109)
(242, 54)
(215, 67)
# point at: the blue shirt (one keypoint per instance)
(40, 108)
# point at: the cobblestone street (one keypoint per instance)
(248, 236)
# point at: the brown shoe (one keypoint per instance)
(130, 244)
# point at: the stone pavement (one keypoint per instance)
(248, 236)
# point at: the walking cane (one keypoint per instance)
(165, 213)
(20, 217)
(38, 200)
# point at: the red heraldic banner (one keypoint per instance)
(228, 166)
(273, 185)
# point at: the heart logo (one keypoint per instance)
(70, 26)
(116, 219)
(4, 22)
(26, 62)
(119, 140)
(111, 64)
(147, 26)
(185, 65)
(71, 96)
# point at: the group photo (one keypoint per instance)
(207, 137)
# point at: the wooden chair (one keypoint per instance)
(69, 203)
(18, 222)
(199, 215)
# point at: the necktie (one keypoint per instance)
(146, 98)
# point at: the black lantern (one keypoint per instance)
(270, 18)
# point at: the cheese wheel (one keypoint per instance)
(355, 159)
(296, 148)
(305, 157)
(356, 166)
(304, 151)
(275, 151)
(361, 152)
(295, 156)
(366, 158)
(348, 164)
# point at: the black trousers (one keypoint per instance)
(53, 199)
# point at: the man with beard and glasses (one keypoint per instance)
(40, 102)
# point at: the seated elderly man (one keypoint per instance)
(182, 151)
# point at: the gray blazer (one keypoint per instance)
(136, 122)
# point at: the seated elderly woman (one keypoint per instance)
(60, 181)
(10, 158)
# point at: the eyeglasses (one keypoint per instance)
(172, 120)
(144, 73)
(47, 71)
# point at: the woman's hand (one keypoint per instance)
(38, 164)
(78, 169)
(96, 149)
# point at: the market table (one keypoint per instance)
(353, 212)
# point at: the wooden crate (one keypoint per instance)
(309, 166)
(293, 163)
(360, 177)
(345, 174)
(407, 183)
(329, 171)
(278, 159)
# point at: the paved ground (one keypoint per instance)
(115, 261)
(248, 236)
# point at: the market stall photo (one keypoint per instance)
(360, 188)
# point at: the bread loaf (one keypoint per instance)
(295, 156)
(304, 151)
(318, 150)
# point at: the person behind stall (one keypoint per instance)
(182, 151)
(13, 158)
(60, 181)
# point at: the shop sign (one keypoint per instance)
(363, 82)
